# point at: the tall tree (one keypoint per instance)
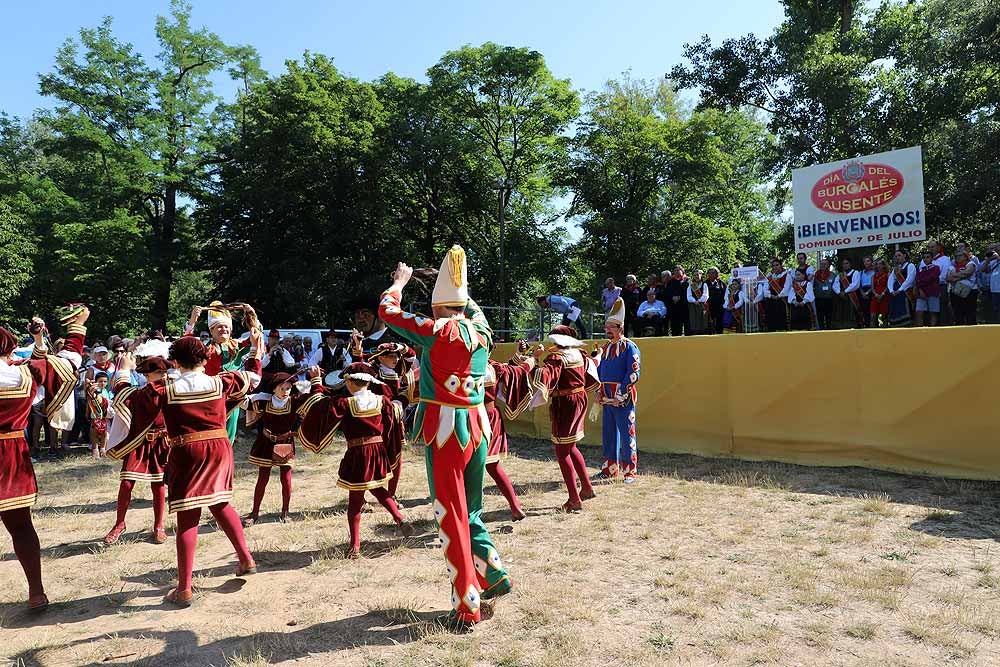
(144, 133)
(654, 185)
(507, 102)
(839, 79)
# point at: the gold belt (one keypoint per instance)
(11, 435)
(466, 406)
(567, 392)
(153, 435)
(286, 437)
(199, 436)
(370, 440)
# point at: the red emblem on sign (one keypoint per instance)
(857, 187)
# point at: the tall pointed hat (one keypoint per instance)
(452, 286)
(617, 313)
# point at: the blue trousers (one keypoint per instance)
(618, 436)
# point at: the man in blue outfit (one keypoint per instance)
(565, 306)
(619, 372)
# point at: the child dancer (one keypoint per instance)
(364, 417)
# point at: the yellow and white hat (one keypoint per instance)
(452, 286)
(218, 315)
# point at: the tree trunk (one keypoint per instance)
(165, 262)
(846, 15)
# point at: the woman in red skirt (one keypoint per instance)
(143, 460)
(564, 380)
(199, 473)
(502, 381)
(879, 305)
(19, 382)
(364, 417)
(276, 412)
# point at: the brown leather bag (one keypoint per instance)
(283, 452)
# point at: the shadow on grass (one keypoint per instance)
(975, 502)
(181, 647)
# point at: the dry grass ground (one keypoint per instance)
(701, 562)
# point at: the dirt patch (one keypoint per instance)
(701, 562)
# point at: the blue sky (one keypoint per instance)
(587, 41)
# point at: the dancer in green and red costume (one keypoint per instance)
(451, 421)
(224, 353)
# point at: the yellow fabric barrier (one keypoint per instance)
(908, 400)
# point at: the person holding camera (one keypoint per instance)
(964, 289)
(332, 354)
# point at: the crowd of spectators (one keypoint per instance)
(931, 290)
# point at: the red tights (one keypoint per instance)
(505, 486)
(125, 497)
(263, 476)
(187, 538)
(356, 501)
(572, 464)
(26, 547)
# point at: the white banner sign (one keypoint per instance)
(745, 273)
(871, 200)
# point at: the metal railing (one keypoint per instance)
(526, 323)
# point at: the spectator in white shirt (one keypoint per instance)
(846, 304)
(801, 299)
(609, 294)
(990, 268)
(652, 313)
(964, 294)
(802, 262)
(901, 281)
(943, 263)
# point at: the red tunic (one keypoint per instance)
(146, 459)
(277, 427)
(363, 418)
(503, 380)
(564, 379)
(395, 387)
(194, 407)
(19, 382)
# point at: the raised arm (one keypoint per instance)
(415, 329)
